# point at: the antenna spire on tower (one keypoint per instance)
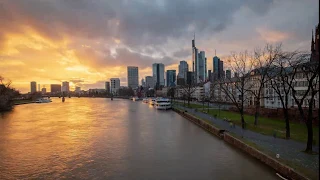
(215, 53)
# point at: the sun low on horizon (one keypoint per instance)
(88, 42)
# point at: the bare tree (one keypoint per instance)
(188, 90)
(308, 73)
(279, 80)
(236, 89)
(262, 62)
(6, 94)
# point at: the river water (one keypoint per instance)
(96, 138)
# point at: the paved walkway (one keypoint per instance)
(287, 149)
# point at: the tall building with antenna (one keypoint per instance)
(315, 45)
(195, 66)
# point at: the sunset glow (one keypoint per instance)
(87, 43)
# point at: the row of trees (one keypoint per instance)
(6, 95)
(282, 71)
(269, 66)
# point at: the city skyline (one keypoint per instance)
(55, 47)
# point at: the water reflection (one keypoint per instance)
(119, 139)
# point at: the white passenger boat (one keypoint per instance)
(145, 100)
(162, 103)
(43, 100)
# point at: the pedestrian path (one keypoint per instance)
(287, 149)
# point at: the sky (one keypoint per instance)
(89, 42)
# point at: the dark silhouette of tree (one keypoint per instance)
(236, 89)
(6, 95)
(262, 61)
(308, 71)
(279, 80)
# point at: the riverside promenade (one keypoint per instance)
(289, 150)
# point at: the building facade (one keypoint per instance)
(158, 75)
(65, 86)
(202, 67)
(171, 78)
(183, 69)
(33, 87)
(55, 88)
(78, 89)
(149, 82)
(107, 87)
(115, 85)
(217, 68)
(133, 76)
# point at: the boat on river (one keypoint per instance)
(43, 100)
(145, 100)
(162, 103)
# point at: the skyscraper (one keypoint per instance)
(190, 77)
(55, 88)
(65, 86)
(33, 87)
(209, 76)
(107, 86)
(315, 45)
(183, 69)
(149, 82)
(217, 68)
(158, 74)
(194, 59)
(115, 85)
(133, 76)
(202, 67)
(171, 78)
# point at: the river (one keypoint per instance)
(96, 138)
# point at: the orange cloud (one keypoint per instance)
(272, 36)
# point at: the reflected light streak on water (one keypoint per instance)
(95, 138)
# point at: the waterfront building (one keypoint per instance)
(78, 89)
(115, 85)
(158, 75)
(65, 87)
(133, 76)
(55, 88)
(97, 91)
(107, 87)
(33, 87)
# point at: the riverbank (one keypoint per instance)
(19, 102)
(266, 126)
(292, 162)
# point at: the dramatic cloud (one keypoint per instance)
(88, 42)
